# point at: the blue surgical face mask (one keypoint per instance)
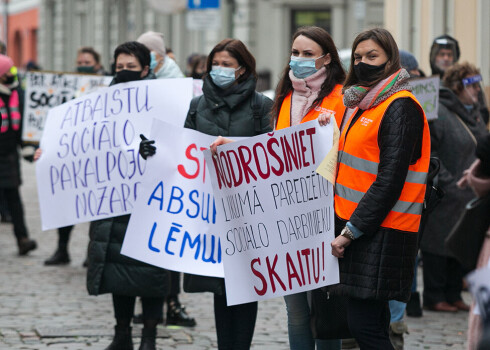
(223, 77)
(303, 67)
(153, 62)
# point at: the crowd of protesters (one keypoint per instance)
(383, 232)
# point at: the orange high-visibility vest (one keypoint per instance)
(358, 162)
(331, 103)
(14, 113)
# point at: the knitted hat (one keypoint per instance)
(153, 41)
(5, 64)
(408, 61)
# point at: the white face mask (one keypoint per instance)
(223, 77)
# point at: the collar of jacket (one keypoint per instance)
(232, 96)
(449, 99)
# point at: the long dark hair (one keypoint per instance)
(238, 51)
(335, 71)
(383, 38)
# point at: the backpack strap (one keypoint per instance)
(256, 107)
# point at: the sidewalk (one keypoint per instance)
(49, 308)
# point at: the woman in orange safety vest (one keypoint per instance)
(384, 153)
(310, 89)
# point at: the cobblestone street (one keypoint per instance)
(49, 307)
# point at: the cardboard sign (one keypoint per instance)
(426, 90)
(173, 224)
(277, 213)
(90, 167)
(46, 90)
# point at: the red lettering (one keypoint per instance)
(181, 169)
(203, 165)
(219, 173)
(306, 253)
(297, 148)
(303, 148)
(310, 132)
(301, 266)
(272, 152)
(273, 273)
(292, 273)
(316, 276)
(227, 179)
(260, 276)
(259, 170)
(245, 162)
(236, 182)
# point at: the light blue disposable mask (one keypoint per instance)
(223, 76)
(153, 62)
(303, 67)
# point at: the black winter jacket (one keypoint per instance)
(226, 112)
(379, 265)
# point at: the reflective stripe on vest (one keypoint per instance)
(333, 103)
(358, 163)
(14, 113)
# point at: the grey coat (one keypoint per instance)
(453, 144)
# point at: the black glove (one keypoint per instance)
(146, 148)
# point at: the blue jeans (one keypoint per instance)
(299, 329)
(397, 310)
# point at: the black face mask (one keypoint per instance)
(9, 80)
(123, 76)
(368, 72)
(197, 75)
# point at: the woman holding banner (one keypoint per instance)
(310, 88)
(384, 153)
(108, 270)
(229, 106)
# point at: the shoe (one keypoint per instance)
(413, 306)
(177, 316)
(60, 257)
(461, 305)
(148, 339)
(138, 319)
(441, 307)
(122, 339)
(396, 331)
(26, 245)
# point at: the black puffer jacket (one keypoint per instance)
(226, 112)
(379, 265)
(453, 141)
(111, 272)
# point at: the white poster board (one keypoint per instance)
(479, 285)
(173, 224)
(90, 167)
(426, 90)
(277, 213)
(46, 90)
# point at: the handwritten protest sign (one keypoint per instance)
(173, 224)
(90, 167)
(277, 213)
(47, 90)
(426, 90)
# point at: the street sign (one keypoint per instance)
(202, 4)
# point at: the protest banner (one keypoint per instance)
(45, 90)
(90, 167)
(479, 285)
(277, 213)
(173, 224)
(426, 90)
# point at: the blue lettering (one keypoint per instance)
(192, 244)
(150, 244)
(191, 198)
(117, 92)
(177, 198)
(154, 193)
(170, 238)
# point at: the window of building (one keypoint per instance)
(311, 17)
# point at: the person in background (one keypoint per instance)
(310, 88)
(108, 270)
(165, 67)
(191, 59)
(10, 140)
(384, 153)
(198, 68)
(88, 62)
(170, 53)
(453, 140)
(162, 65)
(229, 106)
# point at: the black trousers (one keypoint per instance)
(174, 284)
(443, 279)
(64, 236)
(14, 203)
(369, 322)
(124, 307)
(234, 324)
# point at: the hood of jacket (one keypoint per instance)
(449, 99)
(231, 96)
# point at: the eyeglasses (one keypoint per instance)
(473, 81)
